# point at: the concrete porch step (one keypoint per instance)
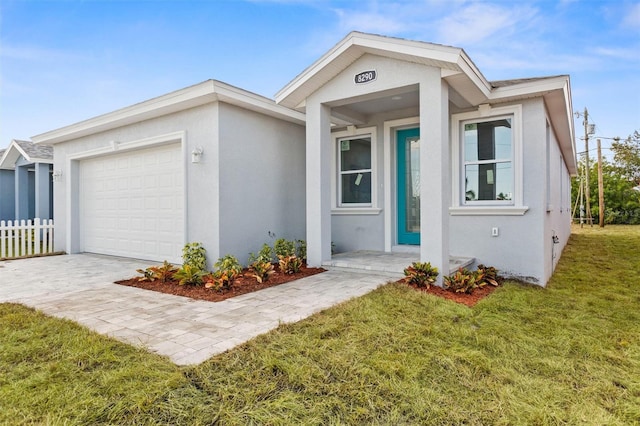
(385, 262)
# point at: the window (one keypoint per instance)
(488, 161)
(354, 180)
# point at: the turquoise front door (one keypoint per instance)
(408, 148)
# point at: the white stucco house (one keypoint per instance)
(383, 144)
(26, 182)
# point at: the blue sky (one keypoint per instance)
(65, 61)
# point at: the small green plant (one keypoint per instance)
(488, 274)
(164, 273)
(194, 254)
(462, 281)
(262, 270)
(228, 268)
(264, 255)
(284, 247)
(290, 264)
(422, 274)
(147, 274)
(189, 274)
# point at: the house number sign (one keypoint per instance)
(365, 77)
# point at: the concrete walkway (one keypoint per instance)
(80, 287)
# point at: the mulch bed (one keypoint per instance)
(247, 284)
(242, 285)
(466, 299)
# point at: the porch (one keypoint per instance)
(387, 262)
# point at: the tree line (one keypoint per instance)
(621, 183)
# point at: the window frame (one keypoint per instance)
(485, 113)
(338, 207)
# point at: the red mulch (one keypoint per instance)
(247, 284)
(242, 285)
(466, 299)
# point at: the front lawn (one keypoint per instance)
(568, 354)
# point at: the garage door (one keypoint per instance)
(132, 204)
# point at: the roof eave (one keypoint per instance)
(190, 97)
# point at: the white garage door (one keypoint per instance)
(131, 204)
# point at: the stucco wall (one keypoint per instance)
(249, 181)
(519, 249)
(558, 217)
(199, 124)
(262, 181)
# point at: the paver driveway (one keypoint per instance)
(80, 287)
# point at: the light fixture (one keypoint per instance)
(396, 98)
(196, 154)
(57, 175)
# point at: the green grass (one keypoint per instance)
(567, 354)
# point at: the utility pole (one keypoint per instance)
(600, 188)
(587, 191)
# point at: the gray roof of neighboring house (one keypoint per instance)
(44, 152)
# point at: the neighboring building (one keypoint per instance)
(408, 147)
(26, 185)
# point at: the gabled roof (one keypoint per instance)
(452, 60)
(196, 95)
(459, 71)
(31, 152)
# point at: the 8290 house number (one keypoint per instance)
(365, 77)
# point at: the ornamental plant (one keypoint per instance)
(290, 264)
(421, 274)
(462, 281)
(284, 247)
(189, 274)
(228, 268)
(194, 254)
(261, 270)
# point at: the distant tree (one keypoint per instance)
(626, 155)
(622, 202)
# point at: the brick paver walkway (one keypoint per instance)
(80, 287)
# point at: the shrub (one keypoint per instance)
(264, 255)
(284, 248)
(489, 275)
(290, 264)
(421, 274)
(147, 274)
(228, 268)
(189, 274)
(194, 254)
(462, 281)
(262, 270)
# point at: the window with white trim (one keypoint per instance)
(354, 171)
(488, 161)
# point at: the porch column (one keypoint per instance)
(435, 179)
(318, 152)
(22, 192)
(43, 191)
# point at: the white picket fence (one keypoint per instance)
(25, 238)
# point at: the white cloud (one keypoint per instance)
(632, 18)
(478, 21)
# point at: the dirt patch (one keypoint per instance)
(242, 285)
(462, 298)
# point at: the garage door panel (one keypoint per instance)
(131, 204)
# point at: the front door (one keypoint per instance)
(408, 186)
